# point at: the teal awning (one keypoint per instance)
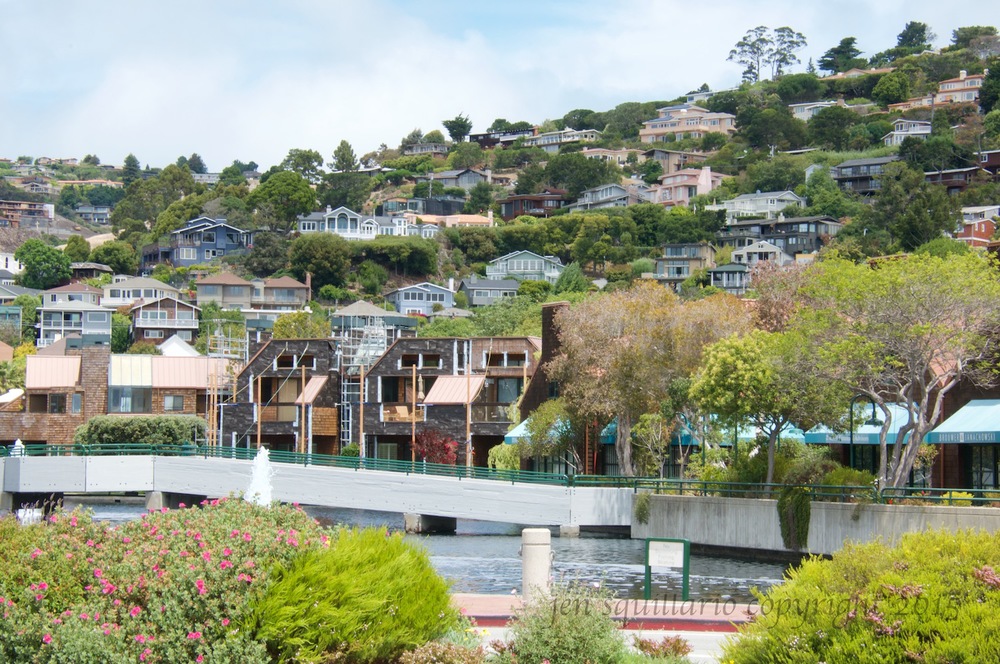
(521, 431)
(976, 422)
(864, 434)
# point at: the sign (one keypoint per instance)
(665, 552)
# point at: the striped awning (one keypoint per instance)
(454, 390)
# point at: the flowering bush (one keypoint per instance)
(175, 586)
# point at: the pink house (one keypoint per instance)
(685, 121)
(680, 187)
(965, 88)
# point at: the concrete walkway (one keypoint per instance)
(702, 623)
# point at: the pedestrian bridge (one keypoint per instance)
(417, 488)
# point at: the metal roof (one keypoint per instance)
(44, 373)
(452, 390)
(313, 388)
(188, 372)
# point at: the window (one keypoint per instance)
(210, 291)
(185, 335)
(57, 403)
(284, 362)
(307, 226)
(77, 403)
(209, 237)
(130, 399)
(187, 254)
(153, 334)
(97, 317)
(173, 403)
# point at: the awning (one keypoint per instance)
(864, 434)
(976, 422)
(520, 432)
(131, 371)
(44, 373)
(454, 390)
(313, 387)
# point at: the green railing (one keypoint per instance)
(676, 487)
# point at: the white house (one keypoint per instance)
(421, 298)
(525, 266)
(767, 204)
(903, 129)
(761, 252)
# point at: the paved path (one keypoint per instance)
(705, 625)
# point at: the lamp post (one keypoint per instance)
(851, 422)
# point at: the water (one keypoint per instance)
(259, 492)
(483, 557)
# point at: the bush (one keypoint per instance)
(573, 627)
(844, 476)
(668, 646)
(640, 508)
(352, 450)
(156, 431)
(443, 653)
(368, 598)
(959, 498)
(932, 598)
(171, 587)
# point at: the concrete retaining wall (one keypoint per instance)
(741, 523)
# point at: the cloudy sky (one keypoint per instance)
(249, 79)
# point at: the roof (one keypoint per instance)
(142, 282)
(45, 373)
(768, 194)
(222, 279)
(452, 390)
(730, 267)
(424, 286)
(161, 299)
(6, 352)
(871, 161)
(362, 308)
(283, 282)
(78, 287)
(174, 346)
(508, 284)
(521, 252)
(313, 387)
(12, 291)
(451, 312)
(976, 422)
(74, 305)
(786, 220)
(87, 265)
(187, 372)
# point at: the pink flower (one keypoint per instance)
(207, 555)
(181, 505)
(145, 653)
(201, 586)
(194, 635)
(47, 639)
(225, 564)
(199, 658)
(43, 586)
(39, 597)
(126, 540)
(225, 622)
(135, 611)
(227, 551)
(247, 537)
(98, 573)
(139, 638)
(36, 553)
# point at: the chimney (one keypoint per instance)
(489, 215)
(451, 284)
(329, 209)
(309, 290)
(489, 176)
(962, 74)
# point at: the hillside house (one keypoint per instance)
(421, 298)
(481, 292)
(199, 241)
(685, 121)
(861, 175)
(525, 266)
(762, 205)
(795, 235)
(551, 141)
(680, 261)
(532, 205)
(679, 187)
(903, 129)
(160, 319)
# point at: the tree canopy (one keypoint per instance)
(44, 266)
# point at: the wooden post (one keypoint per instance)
(302, 427)
(361, 412)
(413, 419)
(260, 408)
(468, 414)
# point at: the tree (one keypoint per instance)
(44, 266)
(906, 333)
(480, 198)
(301, 325)
(77, 249)
(283, 198)
(324, 255)
(756, 379)
(434, 136)
(621, 351)
(196, 164)
(130, 169)
(91, 160)
(795, 88)
(842, 57)
(458, 127)
(465, 155)
(268, 255)
(912, 210)
(915, 35)
(892, 88)
(786, 43)
(350, 189)
(29, 314)
(535, 290)
(572, 280)
(344, 159)
(307, 163)
(231, 176)
(144, 348)
(119, 256)
(575, 173)
(985, 47)
(829, 128)
(752, 51)
(650, 171)
(434, 446)
(989, 93)
(963, 37)
(413, 138)
(651, 436)
(121, 327)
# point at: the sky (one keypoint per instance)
(251, 79)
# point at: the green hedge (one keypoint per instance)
(157, 430)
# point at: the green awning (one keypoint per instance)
(976, 422)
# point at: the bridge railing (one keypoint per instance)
(686, 487)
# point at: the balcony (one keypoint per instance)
(167, 323)
(490, 412)
(401, 412)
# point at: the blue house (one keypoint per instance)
(421, 298)
(200, 241)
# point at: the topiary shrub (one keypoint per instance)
(794, 511)
(574, 626)
(932, 598)
(368, 598)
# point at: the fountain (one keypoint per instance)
(259, 491)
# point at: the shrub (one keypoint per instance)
(959, 498)
(573, 627)
(368, 598)
(171, 587)
(794, 511)
(443, 653)
(844, 476)
(156, 431)
(640, 508)
(668, 646)
(931, 598)
(352, 450)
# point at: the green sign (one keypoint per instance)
(666, 552)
